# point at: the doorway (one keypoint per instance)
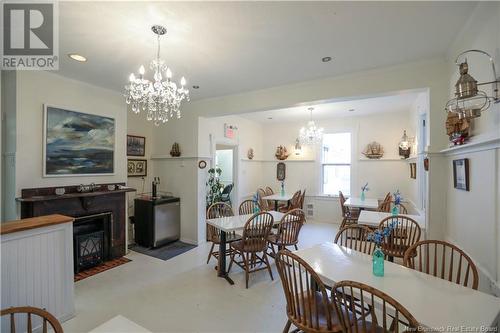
(225, 159)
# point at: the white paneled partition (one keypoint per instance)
(37, 270)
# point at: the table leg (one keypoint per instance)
(222, 258)
(276, 205)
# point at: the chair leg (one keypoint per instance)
(296, 248)
(287, 326)
(232, 260)
(210, 252)
(272, 249)
(264, 256)
(247, 274)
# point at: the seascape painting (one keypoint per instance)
(78, 143)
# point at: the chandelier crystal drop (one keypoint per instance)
(161, 98)
(311, 134)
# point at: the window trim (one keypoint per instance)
(352, 165)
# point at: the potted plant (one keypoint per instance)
(214, 186)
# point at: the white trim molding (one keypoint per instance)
(473, 146)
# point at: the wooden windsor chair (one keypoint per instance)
(253, 242)
(443, 260)
(385, 313)
(288, 231)
(46, 317)
(217, 210)
(308, 306)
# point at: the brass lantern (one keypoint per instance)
(404, 146)
(469, 102)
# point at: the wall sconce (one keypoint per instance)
(404, 146)
(469, 102)
(298, 147)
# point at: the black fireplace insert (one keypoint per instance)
(91, 240)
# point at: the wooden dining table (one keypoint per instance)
(434, 302)
(277, 197)
(228, 224)
(368, 203)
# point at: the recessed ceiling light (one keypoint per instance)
(351, 110)
(196, 87)
(326, 59)
(77, 57)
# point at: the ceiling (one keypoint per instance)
(360, 107)
(230, 47)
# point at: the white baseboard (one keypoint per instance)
(189, 241)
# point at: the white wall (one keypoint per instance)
(426, 74)
(8, 146)
(36, 88)
(139, 126)
(33, 89)
(385, 175)
(249, 135)
(473, 218)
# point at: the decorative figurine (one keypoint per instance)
(175, 151)
(281, 153)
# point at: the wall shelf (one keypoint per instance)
(275, 161)
(381, 159)
(168, 157)
(474, 146)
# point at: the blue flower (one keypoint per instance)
(397, 197)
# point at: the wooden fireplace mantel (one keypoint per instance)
(43, 201)
(72, 195)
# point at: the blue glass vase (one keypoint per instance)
(395, 210)
(378, 262)
(362, 195)
(282, 189)
(256, 208)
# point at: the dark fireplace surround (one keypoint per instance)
(103, 208)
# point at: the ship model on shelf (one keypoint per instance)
(175, 151)
(281, 153)
(373, 150)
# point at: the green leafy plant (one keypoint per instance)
(214, 186)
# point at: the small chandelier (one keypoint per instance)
(469, 102)
(311, 135)
(160, 99)
(298, 147)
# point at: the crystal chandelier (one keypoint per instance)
(161, 98)
(311, 134)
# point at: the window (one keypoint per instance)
(336, 163)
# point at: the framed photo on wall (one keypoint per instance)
(137, 168)
(136, 145)
(77, 144)
(461, 174)
(413, 170)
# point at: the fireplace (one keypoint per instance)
(91, 240)
(105, 207)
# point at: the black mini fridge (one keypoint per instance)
(157, 220)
